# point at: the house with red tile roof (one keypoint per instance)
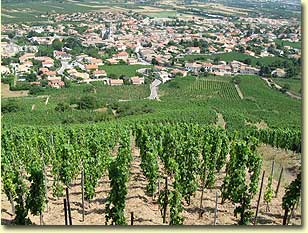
(137, 80)
(99, 74)
(116, 82)
(90, 67)
(56, 83)
(121, 56)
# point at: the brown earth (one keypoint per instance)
(146, 210)
(5, 92)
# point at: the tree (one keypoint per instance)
(265, 71)
(31, 77)
(247, 61)
(36, 90)
(57, 44)
(154, 61)
(290, 71)
(87, 102)
(258, 63)
(45, 51)
(6, 61)
(216, 60)
(241, 49)
(44, 83)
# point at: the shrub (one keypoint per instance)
(87, 102)
(62, 107)
(36, 90)
(10, 106)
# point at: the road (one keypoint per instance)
(154, 89)
(271, 82)
(65, 65)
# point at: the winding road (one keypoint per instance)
(271, 82)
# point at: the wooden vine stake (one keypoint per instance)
(12, 203)
(131, 218)
(68, 206)
(201, 198)
(280, 175)
(82, 193)
(272, 173)
(65, 210)
(215, 212)
(258, 203)
(46, 182)
(158, 186)
(166, 199)
(41, 219)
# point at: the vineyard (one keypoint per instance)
(223, 89)
(176, 173)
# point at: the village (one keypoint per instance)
(164, 48)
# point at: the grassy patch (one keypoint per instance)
(127, 70)
(295, 84)
(296, 45)
(162, 14)
(228, 57)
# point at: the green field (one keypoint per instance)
(294, 84)
(118, 70)
(296, 45)
(32, 11)
(162, 14)
(189, 99)
(228, 57)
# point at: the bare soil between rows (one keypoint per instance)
(146, 209)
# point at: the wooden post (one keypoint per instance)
(158, 186)
(215, 212)
(12, 203)
(166, 199)
(273, 165)
(41, 219)
(201, 198)
(285, 217)
(68, 206)
(46, 183)
(255, 220)
(65, 210)
(276, 194)
(131, 218)
(82, 193)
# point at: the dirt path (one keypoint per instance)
(278, 87)
(154, 89)
(220, 120)
(239, 92)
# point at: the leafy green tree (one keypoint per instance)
(154, 61)
(36, 90)
(265, 71)
(247, 61)
(31, 77)
(87, 102)
(45, 50)
(57, 44)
